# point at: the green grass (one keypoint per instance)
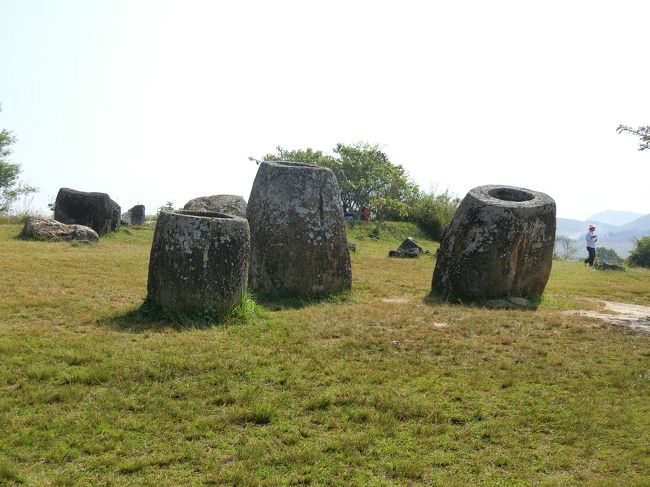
(378, 387)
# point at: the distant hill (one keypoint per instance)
(613, 217)
(577, 228)
(641, 224)
(617, 237)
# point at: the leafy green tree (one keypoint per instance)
(640, 256)
(391, 209)
(365, 175)
(603, 254)
(642, 132)
(433, 211)
(11, 188)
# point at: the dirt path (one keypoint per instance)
(622, 314)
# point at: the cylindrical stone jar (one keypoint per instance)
(199, 262)
(499, 243)
(298, 240)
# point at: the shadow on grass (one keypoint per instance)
(141, 320)
(529, 303)
(275, 303)
(152, 318)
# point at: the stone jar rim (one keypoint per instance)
(510, 196)
(212, 215)
(292, 164)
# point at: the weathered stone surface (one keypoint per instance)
(115, 219)
(408, 248)
(298, 240)
(199, 262)
(95, 210)
(410, 245)
(229, 204)
(499, 243)
(135, 216)
(38, 227)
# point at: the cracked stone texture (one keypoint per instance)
(95, 210)
(199, 261)
(298, 240)
(135, 216)
(499, 243)
(229, 204)
(46, 228)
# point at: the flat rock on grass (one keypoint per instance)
(633, 316)
(41, 228)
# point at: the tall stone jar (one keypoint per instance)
(499, 244)
(299, 245)
(198, 263)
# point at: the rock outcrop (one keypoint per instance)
(229, 204)
(499, 244)
(95, 210)
(198, 263)
(41, 228)
(408, 248)
(298, 240)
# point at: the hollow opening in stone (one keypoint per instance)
(206, 214)
(511, 194)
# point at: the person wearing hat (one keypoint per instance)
(591, 238)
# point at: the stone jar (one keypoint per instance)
(298, 242)
(95, 210)
(198, 263)
(499, 243)
(135, 216)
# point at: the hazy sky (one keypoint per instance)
(153, 100)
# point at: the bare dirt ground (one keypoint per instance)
(633, 316)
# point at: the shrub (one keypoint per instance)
(391, 209)
(640, 256)
(603, 254)
(433, 211)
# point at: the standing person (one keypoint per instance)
(591, 238)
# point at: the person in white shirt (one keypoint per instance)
(591, 238)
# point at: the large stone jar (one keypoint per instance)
(95, 210)
(199, 262)
(298, 240)
(499, 243)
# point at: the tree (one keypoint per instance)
(168, 206)
(433, 211)
(641, 255)
(603, 254)
(566, 245)
(365, 174)
(642, 132)
(11, 188)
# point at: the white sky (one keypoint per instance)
(156, 100)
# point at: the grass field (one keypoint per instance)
(382, 387)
